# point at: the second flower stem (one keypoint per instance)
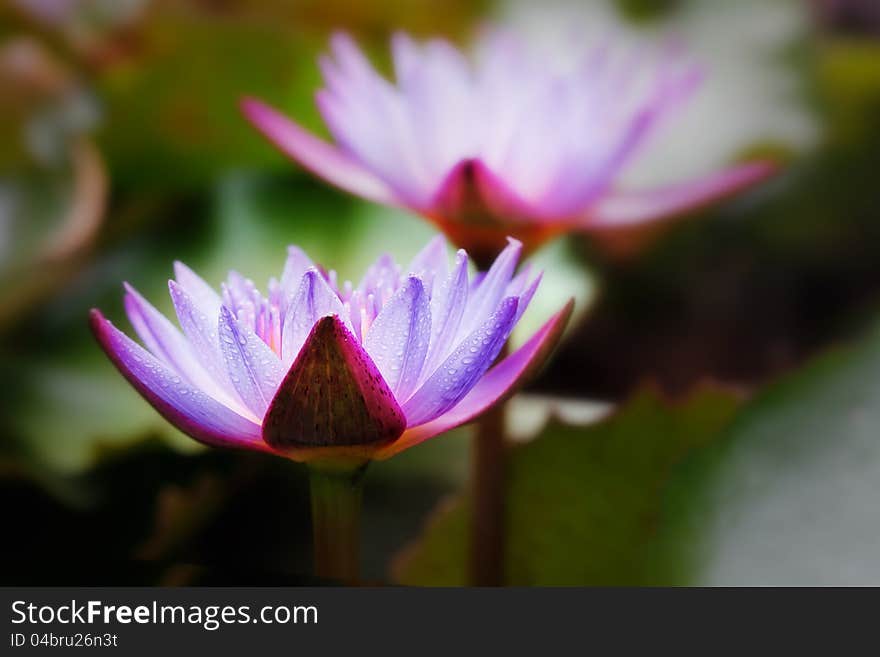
(486, 566)
(488, 486)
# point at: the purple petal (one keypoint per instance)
(187, 408)
(295, 267)
(357, 99)
(241, 297)
(519, 282)
(382, 277)
(582, 182)
(160, 336)
(628, 209)
(316, 155)
(200, 329)
(406, 56)
(253, 367)
(167, 343)
(520, 286)
(351, 60)
(398, 339)
(438, 99)
(391, 154)
(525, 298)
(430, 263)
(203, 295)
(447, 308)
(239, 290)
(491, 290)
(497, 384)
(461, 371)
(314, 300)
(333, 396)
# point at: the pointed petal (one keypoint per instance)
(382, 275)
(461, 371)
(237, 291)
(295, 267)
(498, 384)
(447, 308)
(526, 297)
(316, 155)
(200, 329)
(398, 338)
(315, 299)
(351, 59)
(354, 102)
(519, 282)
(333, 396)
(161, 337)
(187, 408)
(253, 367)
(202, 294)
(486, 296)
(628, 209)
(167, 343)
(574, 190)
(430, 263)
(405, 55)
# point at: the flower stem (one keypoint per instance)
(336, 515)
(487, 531)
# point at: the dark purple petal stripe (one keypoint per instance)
(167, 343)
(458, 373)
(253, 367)
(315, 299)
(495, 385)
(447, 309)
(485, 298)
(201, 331)
(398, 339)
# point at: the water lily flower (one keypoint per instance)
(501, 146)
(319, 370)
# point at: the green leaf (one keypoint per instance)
(583, 502)
(76, 410)
(848, 80)
(789, 496)
(171, 113)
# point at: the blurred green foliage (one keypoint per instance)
(172, 116)
(583, 504)
(788, 494)
(785, 494)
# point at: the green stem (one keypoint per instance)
(336, 518)
(488, 484)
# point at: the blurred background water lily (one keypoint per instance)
(511, 143)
